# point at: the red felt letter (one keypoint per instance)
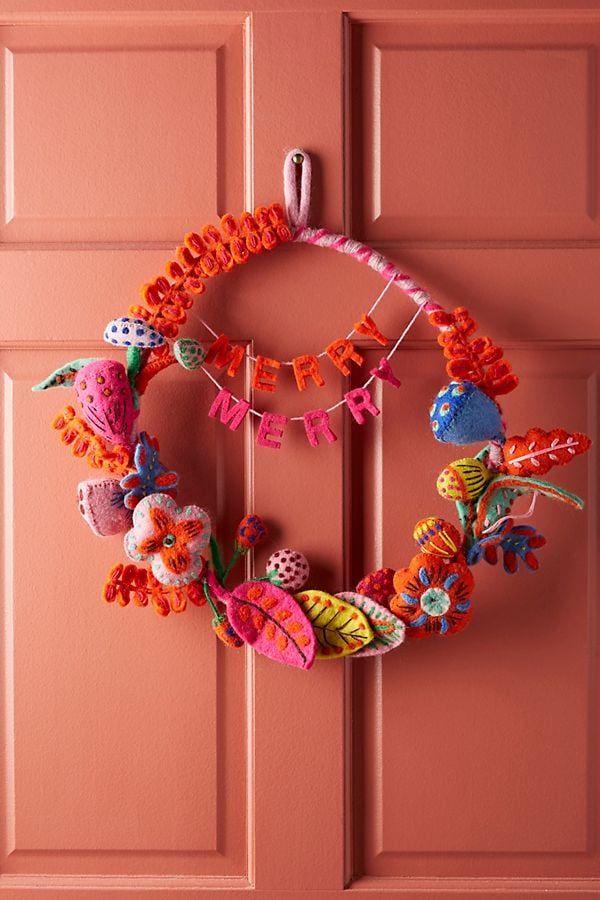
(359, 400)
(234, 416)
(316, 422)
(268, 430)
(264, 380)
(307, 367)
(341, 350)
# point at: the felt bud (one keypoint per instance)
(290, 568)
(385, 373)
(232, 416)
(101, 505)
(342, 351)
(462, 414)
(437, 537)
(368, 327)
(270, 430)
(359, 401)
(378, 585)
(464, 479)
(307, 367)
(263, 379)
(104, 392)
(189, 353)
(316, 422)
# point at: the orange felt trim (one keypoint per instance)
(86, 444)
(203, 256)
(263, 379)
(368, 327)
(221, 353)
(307, 366)
(341, 351)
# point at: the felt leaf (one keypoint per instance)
(537, 452)
(388, 630)
(493, 500)
(129, 332)
(65, 376)
(340, 628)
(269, 620)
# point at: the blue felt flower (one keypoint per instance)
(150, 476)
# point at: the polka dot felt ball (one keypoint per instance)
(464, 479)
(290, 568)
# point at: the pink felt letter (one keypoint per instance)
(316, 422)
(232, 417)
(384, 371)
(268, 430)
(359, 400)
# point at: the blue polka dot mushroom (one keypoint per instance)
(126, 332)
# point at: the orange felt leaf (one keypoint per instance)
(538, 451)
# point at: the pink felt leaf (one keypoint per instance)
(271, 622)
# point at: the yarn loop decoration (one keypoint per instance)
(175, 558)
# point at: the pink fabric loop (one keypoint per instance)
(297, 207)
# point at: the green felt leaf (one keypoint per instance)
(65, 376)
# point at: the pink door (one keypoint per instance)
(140, 756)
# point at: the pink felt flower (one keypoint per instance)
(172, 539)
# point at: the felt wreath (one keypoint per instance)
(173, 552)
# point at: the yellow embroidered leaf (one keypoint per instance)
(340, 628)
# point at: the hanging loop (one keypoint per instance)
(297, 203)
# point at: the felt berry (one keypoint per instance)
(462, 414)
(433, 596)
(464, 479)
(189, 353)
(104, 392)
(437, 537)
(250, 532)
(288, 568)
(101, 505)
(172, 539)
(378, 585)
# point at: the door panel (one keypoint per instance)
(138, 755)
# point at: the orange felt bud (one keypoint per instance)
(221, 353)
(211, 235)
(238, 250)
(263, 380)
(307, 367)
(340, 352)
(228, 225)
(368, 327)
(248, 222)
(269, 237)
(253, 242)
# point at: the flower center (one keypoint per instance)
(435, 602)
(169, 540)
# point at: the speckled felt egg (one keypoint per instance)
(126, 332)
(189, 353)
(378, 585)
(462, 414)
(290, 568)
(464, 479)
(437, 537)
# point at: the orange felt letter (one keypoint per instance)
(368, 327)
(342, 350)
(307, 367)
(221, 353)
(263, 380)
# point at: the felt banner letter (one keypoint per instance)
(234, 416)
(264, 380)
(359, 401)
(368, 327)
(384, 371)
(221, 353)
(270, 430)
(307, 367)
(342, 350)
(316, 422)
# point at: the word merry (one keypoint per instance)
(306, 368)
(316, 421)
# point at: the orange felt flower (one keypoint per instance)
(433, 596)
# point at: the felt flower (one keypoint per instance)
(172, 539)
(150, 475)
(250, 532)
(433, 596)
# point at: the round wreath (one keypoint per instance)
(175, 555)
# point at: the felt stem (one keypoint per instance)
(215, 551)
(151, 369)
(218, 617)
(236, 555)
